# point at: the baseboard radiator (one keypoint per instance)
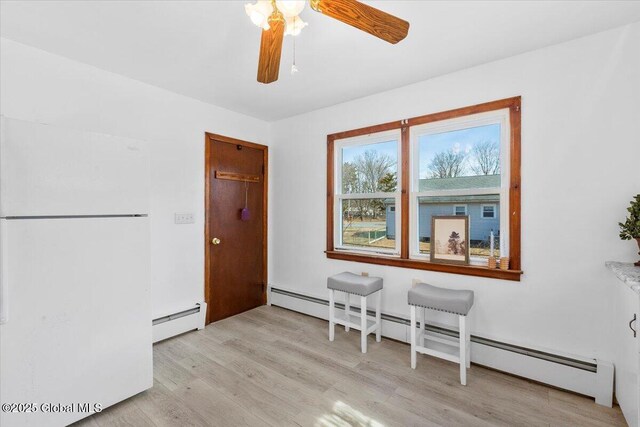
(177, 323)
(590, 377)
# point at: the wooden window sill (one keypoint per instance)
(468, 270)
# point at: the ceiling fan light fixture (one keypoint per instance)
(294, 26)
(259, 13)
(281, 17)
(290, 8)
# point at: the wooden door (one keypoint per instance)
(235, 245)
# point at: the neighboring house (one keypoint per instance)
(483, 210)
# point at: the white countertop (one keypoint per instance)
(627, 272)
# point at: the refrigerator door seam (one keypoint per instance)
(75, 216)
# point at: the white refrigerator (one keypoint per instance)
(75, 316)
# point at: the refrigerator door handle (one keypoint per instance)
(4, 281)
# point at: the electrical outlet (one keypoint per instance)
(365, 274)
(184, 218)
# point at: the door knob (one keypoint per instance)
(215, 241)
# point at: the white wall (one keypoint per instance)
(580, 151)
(42, 87)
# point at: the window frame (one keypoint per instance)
(492, 205)
(510, 212)
(339, 196)
(498, 116)
(455, 210)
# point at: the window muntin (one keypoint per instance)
(461, 161)
(367, 193)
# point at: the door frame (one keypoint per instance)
(208, 176)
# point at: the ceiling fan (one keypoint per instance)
(278, 18)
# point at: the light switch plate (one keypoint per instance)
(415, 282)
(184, 218)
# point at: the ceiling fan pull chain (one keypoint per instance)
(294, 68)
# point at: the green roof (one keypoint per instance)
(460, 182)
(479, 198)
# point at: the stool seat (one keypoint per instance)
(354, 284)
(449, 300)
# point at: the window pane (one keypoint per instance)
(369, 223)
(488, 211)
(370, 168)
(464, 158)
(460, 210)
(480, 228)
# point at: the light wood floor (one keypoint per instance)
(271, 366)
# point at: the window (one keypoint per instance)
(488, 211)
(463, 162)
(459, 209)
(367, 193)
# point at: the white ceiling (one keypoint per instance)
(208, 50)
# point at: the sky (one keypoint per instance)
(464, 139)
(390, 148)
(430, 145)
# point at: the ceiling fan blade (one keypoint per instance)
(365, 18)
(271, 49)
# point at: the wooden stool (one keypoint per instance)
(363, 286)
(458, 302)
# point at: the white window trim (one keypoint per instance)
(339, 144)
(455, 207)
(493, 205)
(491, 117)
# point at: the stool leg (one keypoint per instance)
(363, 324)
(413, 337)
(347, 310)
(463, 350)
(468, 328)
(331, 315)
(423, 318)
(379, 316)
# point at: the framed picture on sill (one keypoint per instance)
(450, 239)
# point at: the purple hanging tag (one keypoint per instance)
(244, 214)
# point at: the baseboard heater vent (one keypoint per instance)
(590, 377)
(175, 316)
(179, 322)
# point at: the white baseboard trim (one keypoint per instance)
(598, 384)
(180, 322)
(590, 377)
